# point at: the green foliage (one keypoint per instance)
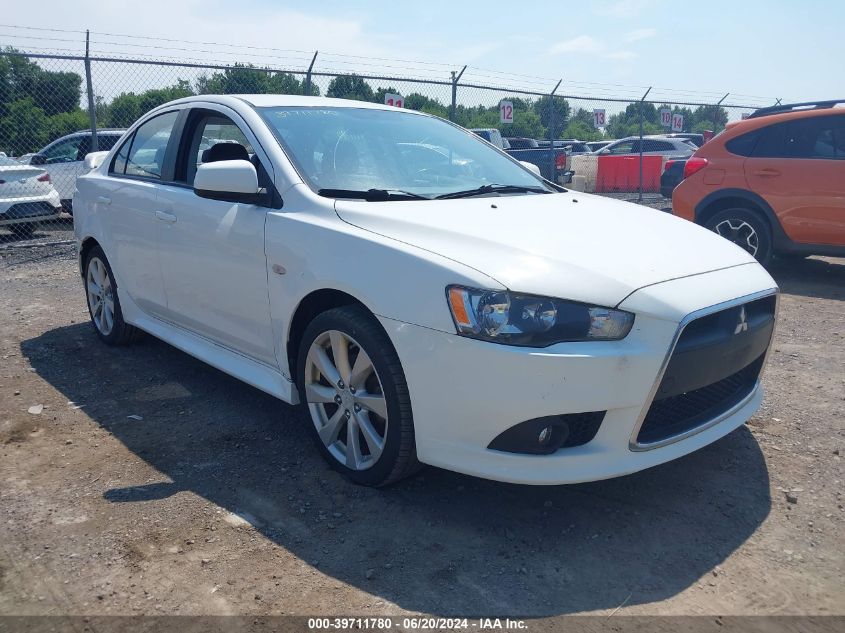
(350, 87)
(23, 128)
(559, 112)
(35, 104)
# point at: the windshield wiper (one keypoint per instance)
(371, 195)
(483, 189)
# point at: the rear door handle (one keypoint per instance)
(767, 172)
(165, 216)
(103, 199)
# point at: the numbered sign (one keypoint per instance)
(677, 122)
(598, 118)
(665, 117)
(505, 112)
(394, 100)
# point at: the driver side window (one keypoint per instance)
(623, 148)
(64, 152)
(210, 130)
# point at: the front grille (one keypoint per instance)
(681, 413)
(715, 364)
(29, 210)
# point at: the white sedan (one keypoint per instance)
(462, 312)
(26, 197)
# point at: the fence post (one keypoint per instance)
(640, 189)
(307, 87)
(455, 80)
(92, 112)
(552, 131)
(716, 113)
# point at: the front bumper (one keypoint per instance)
(464, 392)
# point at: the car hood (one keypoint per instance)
(570, 245)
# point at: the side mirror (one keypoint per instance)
(38, 159)
(604, 152)
(227, 180)
(94, 160)
(531, 167)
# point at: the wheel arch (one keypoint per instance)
(723, 199)
(87, 245)
(312, 304)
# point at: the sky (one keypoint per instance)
(756, 51)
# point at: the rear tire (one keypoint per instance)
(745, 228)
(103, 302)
(355, 395)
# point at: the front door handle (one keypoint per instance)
(768, 173)
(165, 216)
(103, 199)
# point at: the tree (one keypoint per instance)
(36, 105)
(561, 113)
(23, 128)
(350, 87)
(416, 101)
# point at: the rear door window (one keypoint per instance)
(808, 138)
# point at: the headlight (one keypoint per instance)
(531, 321)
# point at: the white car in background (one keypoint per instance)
(467, 315)
(26, 197)
(63, 159)
(655, 145)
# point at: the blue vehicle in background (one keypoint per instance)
(552, 161)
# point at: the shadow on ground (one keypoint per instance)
(437, 543)
(812, 277)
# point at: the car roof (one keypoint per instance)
(279, 100)
(735, 128)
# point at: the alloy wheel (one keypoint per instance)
(346, 400)
(100, 296)
(740, 233)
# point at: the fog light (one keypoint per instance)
(543, 436)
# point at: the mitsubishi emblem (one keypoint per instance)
(742, 324)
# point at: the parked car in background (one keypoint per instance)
(522, 143)
(651, 146)
(26, 197)
(774, 184)
(573, 147)
(673, 174)
(552, 163)
(595, 146)
(63, 159)
(317, 260)
(696, 139)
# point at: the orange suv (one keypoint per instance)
(773, 183)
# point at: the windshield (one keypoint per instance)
(358, 149)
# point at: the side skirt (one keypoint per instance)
(264, 377)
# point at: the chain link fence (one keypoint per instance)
(54, 109)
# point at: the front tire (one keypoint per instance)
(354, 391)
(746, 229)
(103, 302)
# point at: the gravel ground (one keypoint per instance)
(141, 481)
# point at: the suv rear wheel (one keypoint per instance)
(746, 229)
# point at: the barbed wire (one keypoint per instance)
(329, 62)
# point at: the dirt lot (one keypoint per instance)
(210, 498)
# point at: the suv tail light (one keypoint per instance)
(693, 165)
(44, 178)
(560, 161)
